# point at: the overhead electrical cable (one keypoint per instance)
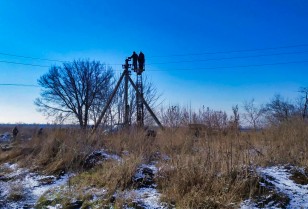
(236, 66)
(18, 84)
(219, 67)
(21, 63)
(182, 61)
(29, 57)
(229, 58)
(230, 51)
(175, 55)
(185, 69)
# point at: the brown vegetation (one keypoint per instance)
(206, 171)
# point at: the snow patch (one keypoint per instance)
(98, 157)
(146, 195)
(30, 185)
(279, 177)
(57, 206)
(5, 137)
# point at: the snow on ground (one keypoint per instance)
(145, 195)
(20, 188)
(57, 206)
(148, 198)
(108, 156)
(5, 137)
(145, 170)
(279, 178)
(98, 157)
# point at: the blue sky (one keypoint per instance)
(195, 50)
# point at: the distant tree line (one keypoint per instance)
(251, 115)
(277, 110)
(77, 91)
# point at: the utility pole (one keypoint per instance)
(139, 96)
(126, 111)
(140, 101)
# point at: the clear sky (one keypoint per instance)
(214, 53)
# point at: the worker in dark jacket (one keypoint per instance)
(15, 132)
(141, 60)
(135, 59)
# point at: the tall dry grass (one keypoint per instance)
(216, 170)
(208, 172)
(53, 151)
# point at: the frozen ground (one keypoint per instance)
(148, 198)
(5, 137)
(145, 195)
(20, 188)
(288, 193)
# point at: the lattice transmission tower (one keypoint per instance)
(140, 101)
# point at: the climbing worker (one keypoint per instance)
(141, 60)
(135, 59)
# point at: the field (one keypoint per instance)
(173, 169)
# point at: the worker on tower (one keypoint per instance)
(135, 59)
(141, 60)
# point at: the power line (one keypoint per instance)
(229, 58)
(230, 51)
(184, 61)
(201, 60)
(175, 55)
(190, 69)
(29, 57)
(20, 63)
(18, 84)
(238, 66)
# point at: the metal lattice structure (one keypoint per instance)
(140, 101)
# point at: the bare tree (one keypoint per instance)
(173, 116)
(253, 114)
(213, 119)
(77, 89)
(304, 97)
(279, 109)
(235, 118)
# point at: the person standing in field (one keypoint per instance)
(15, 132)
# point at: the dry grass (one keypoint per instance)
(115, 175)
(16, 192)
(54, 151)
(213, 171)
(112, 175)
(217, 170)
